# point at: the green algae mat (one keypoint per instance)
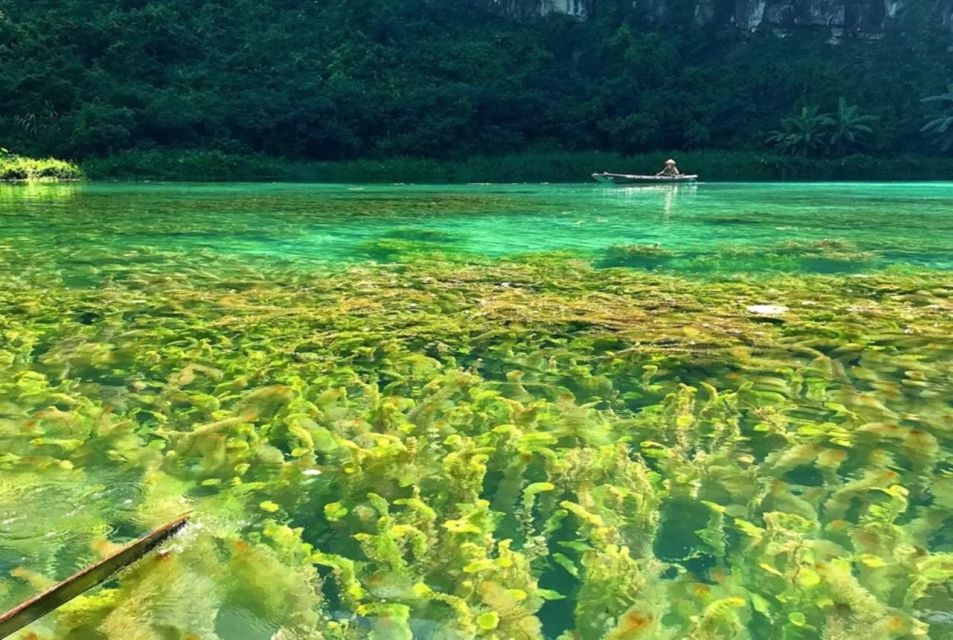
(512, 412)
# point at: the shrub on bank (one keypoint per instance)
(19, 169)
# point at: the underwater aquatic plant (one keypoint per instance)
(645, 256)
(523, 448)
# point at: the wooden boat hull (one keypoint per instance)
(624, 178)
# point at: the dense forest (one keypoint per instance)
(437, 79)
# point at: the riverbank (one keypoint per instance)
(15, 168)
(527, 167)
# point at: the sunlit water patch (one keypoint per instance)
(510, 412)
(769, 227)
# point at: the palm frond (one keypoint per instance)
(943, 97)
(939, 125)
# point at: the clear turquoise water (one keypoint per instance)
(704, 226)
(274, 356)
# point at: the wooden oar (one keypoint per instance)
(58, 595)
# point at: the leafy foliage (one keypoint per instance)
(849, 128)
(941, 127)
(811, 133)
(18, 168)
(803, 134)
(347, 80)
(519, 167)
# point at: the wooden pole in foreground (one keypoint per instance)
(93, 575)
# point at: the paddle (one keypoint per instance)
(61, 593)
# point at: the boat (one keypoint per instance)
(625, 178)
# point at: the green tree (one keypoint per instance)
(849, 128)
(385, 78)
(940, 128)
(805, 134)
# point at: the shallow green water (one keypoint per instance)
(719, 411)
(722, 226)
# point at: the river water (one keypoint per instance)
(511, 411)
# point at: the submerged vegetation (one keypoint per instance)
(14, 168)
(824, 256)
(524, 448)
(636, 255)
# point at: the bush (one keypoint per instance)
(18, 168)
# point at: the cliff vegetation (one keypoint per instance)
(448, 81)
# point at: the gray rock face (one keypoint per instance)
(861, 18)
(523, 9)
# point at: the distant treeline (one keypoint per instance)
(562, 166)
(379, 79)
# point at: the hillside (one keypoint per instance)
(841, 18)
(383, 78)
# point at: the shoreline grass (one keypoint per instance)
(713, 166)
(15, 168)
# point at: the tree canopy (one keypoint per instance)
(381, 78)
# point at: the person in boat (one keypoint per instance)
(670, 170)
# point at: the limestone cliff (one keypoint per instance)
(862, 18)
(535, 8)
